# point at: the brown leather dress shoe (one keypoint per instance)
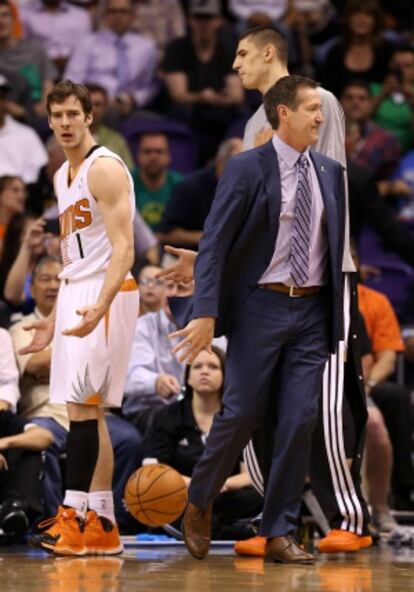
(285, 549)
(196, 529)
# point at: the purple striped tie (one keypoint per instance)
(299, 253)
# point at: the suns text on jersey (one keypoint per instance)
(75, 217)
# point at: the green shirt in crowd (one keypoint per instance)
(150, 203)
(396, 115)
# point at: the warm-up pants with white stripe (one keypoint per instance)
(342, 410)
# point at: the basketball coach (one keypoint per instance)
(268, 275)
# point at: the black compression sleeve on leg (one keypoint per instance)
(82, 451)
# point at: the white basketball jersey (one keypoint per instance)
(84, 244)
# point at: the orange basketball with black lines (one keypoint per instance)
(156, 494)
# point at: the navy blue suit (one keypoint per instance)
(268, 332)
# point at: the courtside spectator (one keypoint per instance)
(21, 150)
(121, 61)
(205, 91)
(25, 57)
(151, 289)
(375, 147)
(162, 20)
(184, 216)
(21, 443)
(393, 106)
(154, 180)
(57, 25)
(178, 436)
(361, 51)
(155, 375)
(104, 135)
(12, 202)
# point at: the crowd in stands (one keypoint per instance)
(167, 99)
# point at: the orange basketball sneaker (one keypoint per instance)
(101, 536)
(342, 541)
(254, 546)
(65, 535)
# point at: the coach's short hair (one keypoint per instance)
(284, 92)
(263, 35)
(65, 89)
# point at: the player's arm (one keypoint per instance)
(108, 183)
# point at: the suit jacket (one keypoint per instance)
(241, 230)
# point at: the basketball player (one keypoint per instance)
(261, 60)
(93, 323)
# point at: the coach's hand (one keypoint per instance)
(182, 270)
(43, 335)
(91, 315)
(198, 335)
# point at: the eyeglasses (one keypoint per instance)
(151, 282)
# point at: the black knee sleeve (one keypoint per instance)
(82, 451)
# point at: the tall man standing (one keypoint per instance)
(261, 60)
(268, 274)
(92, 324)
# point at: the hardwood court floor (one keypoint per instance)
(171, 569)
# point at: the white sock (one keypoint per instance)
(77, 500)
(102, 502)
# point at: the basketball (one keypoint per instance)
(156, 495)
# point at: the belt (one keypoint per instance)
(293, 291)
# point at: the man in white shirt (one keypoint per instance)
(22, 152)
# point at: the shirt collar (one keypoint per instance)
(287, 153)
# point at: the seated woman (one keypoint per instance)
(178, 436)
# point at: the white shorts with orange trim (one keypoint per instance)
(92, 370)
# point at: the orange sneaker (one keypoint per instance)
(64, 535)
(101, 536)
(342, 541)
(254, 546)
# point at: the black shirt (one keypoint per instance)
(175, 439)
(190, 201)
(11, 424)
(180, 56)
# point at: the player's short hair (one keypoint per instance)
(65, 89)
(266, 34)
(284, 92)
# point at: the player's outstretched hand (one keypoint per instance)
(91, 315)
(182, 271)
(198, 335)
(43, 335)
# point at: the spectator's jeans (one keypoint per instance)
(127, 445)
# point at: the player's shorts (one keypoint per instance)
(92, 370)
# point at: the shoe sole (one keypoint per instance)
(278, 560)
(102, 551)
(350, 548)
(250, 554)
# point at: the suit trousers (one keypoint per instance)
(289, 336)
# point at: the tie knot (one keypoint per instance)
(303, 162)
